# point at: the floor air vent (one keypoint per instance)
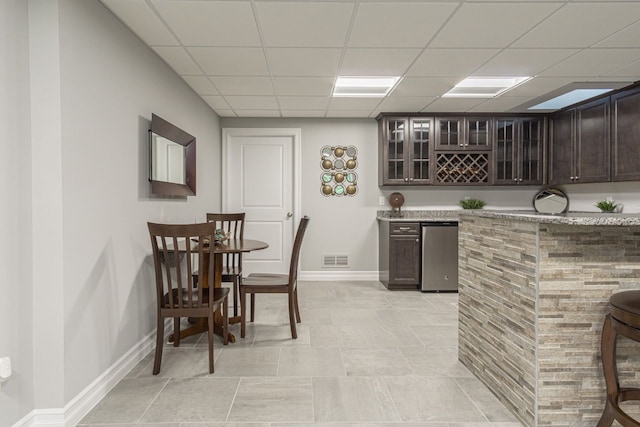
(335, 260)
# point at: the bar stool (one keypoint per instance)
(624, 320)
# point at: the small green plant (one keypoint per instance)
(606, 206)
(472, 204)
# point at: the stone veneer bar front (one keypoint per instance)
(533, 293)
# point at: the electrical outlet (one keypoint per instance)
(381, 201)
(609, 199)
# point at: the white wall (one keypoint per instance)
(348, 224)
(111, 83)
(75, 253)
(16, 313)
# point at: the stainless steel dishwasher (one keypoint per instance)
(439, 256)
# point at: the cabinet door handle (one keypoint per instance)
(418, 240)
(520, 180)
(577, 178)
(410, 179)
(406, 180)
(572, 178)
(515, 179)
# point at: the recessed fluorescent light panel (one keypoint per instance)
(366, 87)
(484, 87)
(569, 98)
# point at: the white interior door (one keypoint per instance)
(261, 178)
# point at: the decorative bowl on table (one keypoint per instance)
(220, 236)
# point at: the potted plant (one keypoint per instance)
(472, 203)
(607, 205)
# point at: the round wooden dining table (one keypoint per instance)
(226, 247)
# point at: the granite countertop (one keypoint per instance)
(572, 218)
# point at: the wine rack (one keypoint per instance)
(462, 168)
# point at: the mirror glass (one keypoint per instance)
(168, 160)
(551, 201)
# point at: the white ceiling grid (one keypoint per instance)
(265, 58)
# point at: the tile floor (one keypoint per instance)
(364, 356)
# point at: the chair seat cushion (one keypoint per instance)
(266, 279)
(218, 295)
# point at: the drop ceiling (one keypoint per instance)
(263, 58)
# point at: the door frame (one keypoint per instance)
(295, 134)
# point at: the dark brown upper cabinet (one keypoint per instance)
(580, 144)
(518, 145)
(625, 135)
(406, 150)
(463, 133)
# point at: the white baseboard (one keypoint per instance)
(88, 398)
(334, 276)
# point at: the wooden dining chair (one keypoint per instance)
(174, 248)
(256, 283)
(232, 223)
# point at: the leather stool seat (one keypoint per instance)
(624, 319)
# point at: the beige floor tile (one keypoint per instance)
(375, 362)
(432, 399)
(364, 357)
(352, 399)
(273, 399)
(126, 402)
(193, 400)
(248, 362)
(310, 361)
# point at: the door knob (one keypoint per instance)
(289, 214)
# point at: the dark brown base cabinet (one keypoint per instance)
(399, 253)
(625, 135)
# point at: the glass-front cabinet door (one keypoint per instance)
(478, 131)
(421, 137)
(530, 154)
(395, 134)
(406, 150)
(450, 133)
(505, 152)
(517, 150)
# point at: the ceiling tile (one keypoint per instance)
(226, 113)
(210, 23)
(243, 85)
(348, 114)
(539, 86)
(296, 24)
(178, 59)
(216, 102)
(627, 37)
(303, 62)
(301, 86)
(501, 103)
(405, 103)
(258, 113)
(491, 24)
(523, 62)
(398, 24)
(593, 63)
(146, 24)
(303, 102)
(458, 63)
(302, 113)
(230, 61)
(423, 86)
(252, 102)
(354, 103)
(377, 62)
(201, 85)
(453, 105)
(626, 71)
(581, 24)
